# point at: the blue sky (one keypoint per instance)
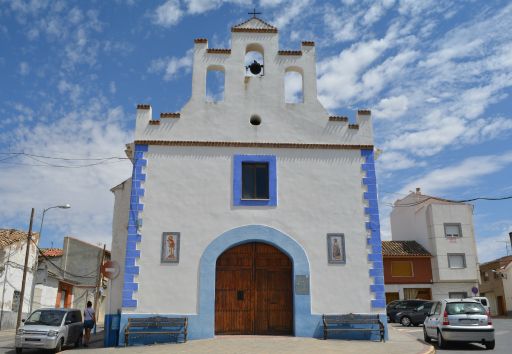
(437, 76)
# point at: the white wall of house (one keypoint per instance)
(119, 234)
(45, 295)
(507, 287)
(424, 222)
(12, 263)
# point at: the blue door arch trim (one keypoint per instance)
(305, 324)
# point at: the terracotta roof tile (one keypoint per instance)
(257, 26)
(10, 236)
(364, 112)
(338, 119)
(289, 52)
(170, 115)
(308, 43)
(403, 248)
(154, 122)
(52, 252)
(200, 40)
(143, 106)
(218, 50)
(353, 126)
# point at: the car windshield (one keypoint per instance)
(46, 317)
(467, 308)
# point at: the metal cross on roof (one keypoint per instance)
(254, 13)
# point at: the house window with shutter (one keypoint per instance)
(452, 230)
(401, 269)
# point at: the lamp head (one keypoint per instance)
(65, 206)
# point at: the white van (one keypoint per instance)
(484, 301)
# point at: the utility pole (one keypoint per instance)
(27, 254)
(98, 283)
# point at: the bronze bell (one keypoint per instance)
(255, 68)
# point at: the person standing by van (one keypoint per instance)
(89, 321)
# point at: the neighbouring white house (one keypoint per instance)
(13, 249)
(245, 212)
(67, 277)
(445, 230)
(496, 285)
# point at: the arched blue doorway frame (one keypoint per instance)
(305, 324)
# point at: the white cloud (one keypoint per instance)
(391, 107)
(24, 68)
(168, 14)
(392, 161)
(293, 11)
(338, 76)
(112, 87)
(93, 131)
(463, 174)
(172, 67)
(492, 247)
(271, 3)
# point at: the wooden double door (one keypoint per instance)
(253, 291)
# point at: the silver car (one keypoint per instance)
(454, 320)
(50, 329)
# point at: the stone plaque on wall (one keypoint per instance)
(301, 285)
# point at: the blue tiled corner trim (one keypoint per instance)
(373, 226)
(237, 180)
(130, 269)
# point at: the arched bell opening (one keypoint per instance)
(215, 83)
(294, 85)
(254, 60)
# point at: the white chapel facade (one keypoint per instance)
(249, 215)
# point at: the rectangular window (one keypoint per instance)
(255, 180)
(401, 269)
(458, 295)
(452, 230)
(456, 261)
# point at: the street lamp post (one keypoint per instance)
(64, 206)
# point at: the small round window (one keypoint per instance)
(255, 120)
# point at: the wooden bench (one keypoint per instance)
(339, 323)
(156, 326)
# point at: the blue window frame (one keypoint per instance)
(247, 190)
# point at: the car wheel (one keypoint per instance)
(441, 343)
(58, 348)
(19, 350)
(490, 345)
(426, 338)
(405, 321)
(78, 341)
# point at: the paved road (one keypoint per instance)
(7, 343)
(503, 335)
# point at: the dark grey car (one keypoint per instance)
(397, 306)
(414, 317)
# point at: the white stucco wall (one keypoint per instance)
(121, 193)
(189, 188)
(13, 260)
(319, 192)
(507, 288)
(424, 223)
(45, 295)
